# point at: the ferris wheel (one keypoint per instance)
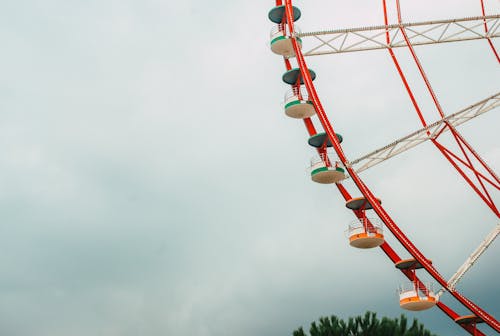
(331, 165)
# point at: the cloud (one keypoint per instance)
(151, 183)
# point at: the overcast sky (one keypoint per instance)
(150, 183)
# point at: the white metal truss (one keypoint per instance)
(419, 33)
(472, 259)
(430, 132)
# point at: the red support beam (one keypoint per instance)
(486, 31)
(400, 72)
(449, 156)
(487, 199)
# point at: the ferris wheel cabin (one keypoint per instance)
(415, 296)
(414, 299)
(281, 43)
(297, 104)
(364, 232)
(322, 170)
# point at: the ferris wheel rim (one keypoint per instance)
(406, 243)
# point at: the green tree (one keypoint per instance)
(367, 325)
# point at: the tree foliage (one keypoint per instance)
(367, 325)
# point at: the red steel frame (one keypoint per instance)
(486, 31)
(454, 159)
(377, 207)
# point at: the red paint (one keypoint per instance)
(486, 30)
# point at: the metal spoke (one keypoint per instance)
(490, 238)
(430, 132)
